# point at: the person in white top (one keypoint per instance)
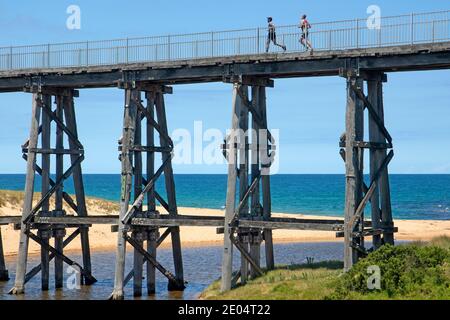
(304, 39)
(272, 36)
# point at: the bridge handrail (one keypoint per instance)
(414, 28)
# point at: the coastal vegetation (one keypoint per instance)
(415, 270)
(14, 200)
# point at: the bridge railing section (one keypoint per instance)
(341, 35)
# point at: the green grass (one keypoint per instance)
(301, 282)
(412, 271)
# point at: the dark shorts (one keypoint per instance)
(272, 36)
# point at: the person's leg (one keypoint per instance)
(277, 44)
(268, 43)
(302, 41)
(307, 41)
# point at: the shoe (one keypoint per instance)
(284, 48)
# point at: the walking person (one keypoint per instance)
(272, 36)
(304, 39)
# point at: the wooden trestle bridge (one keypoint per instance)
(146, 69)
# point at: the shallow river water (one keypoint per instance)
(201, 267)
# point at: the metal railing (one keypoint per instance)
(340, 35)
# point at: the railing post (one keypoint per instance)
(433, 30)
(412, 28)
(128, 46)
(10, 58)
(87, 53)
(257, 40)
(48, 55)
(329, 40)
(379, 37)
(357, 33)
(168, 47)
(212, 44)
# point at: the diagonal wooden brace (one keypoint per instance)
(371, 189)
(61, 125)
(249, 191)
(38, 268)
(245, 254)
(138, 202)
(255, 114)
(154, 124)
(66, 196)
(373, 113)
(172, 279)
(67, 260)
(53, 189)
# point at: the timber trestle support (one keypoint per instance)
(249, 149)
(353, 144)
(142, 125)
(146, 151)
(4, 274)
(53, 201)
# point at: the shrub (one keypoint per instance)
(406, 271)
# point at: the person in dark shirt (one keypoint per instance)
(272, 35)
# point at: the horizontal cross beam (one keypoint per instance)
(249, 80)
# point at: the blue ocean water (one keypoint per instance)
(413, 196)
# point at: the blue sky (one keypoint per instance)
(308, 112)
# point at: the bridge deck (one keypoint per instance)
(277, 65)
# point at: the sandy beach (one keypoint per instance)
(101, 237)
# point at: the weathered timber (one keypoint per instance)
(34, 271)
(165, 141)
(64, 118)
(265, 182)
(129, 123)
(80, 207)
(227, 259)
(132, 218)
(4, 276)
(353, 164)
(19, 284)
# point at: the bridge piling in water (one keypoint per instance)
(63, 118)
(132, 148)
(4, 275)
(249, 163)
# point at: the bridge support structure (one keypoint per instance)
(53, 200)
(4, 275)
(353, 145)
(143, 124)
(249, 164)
